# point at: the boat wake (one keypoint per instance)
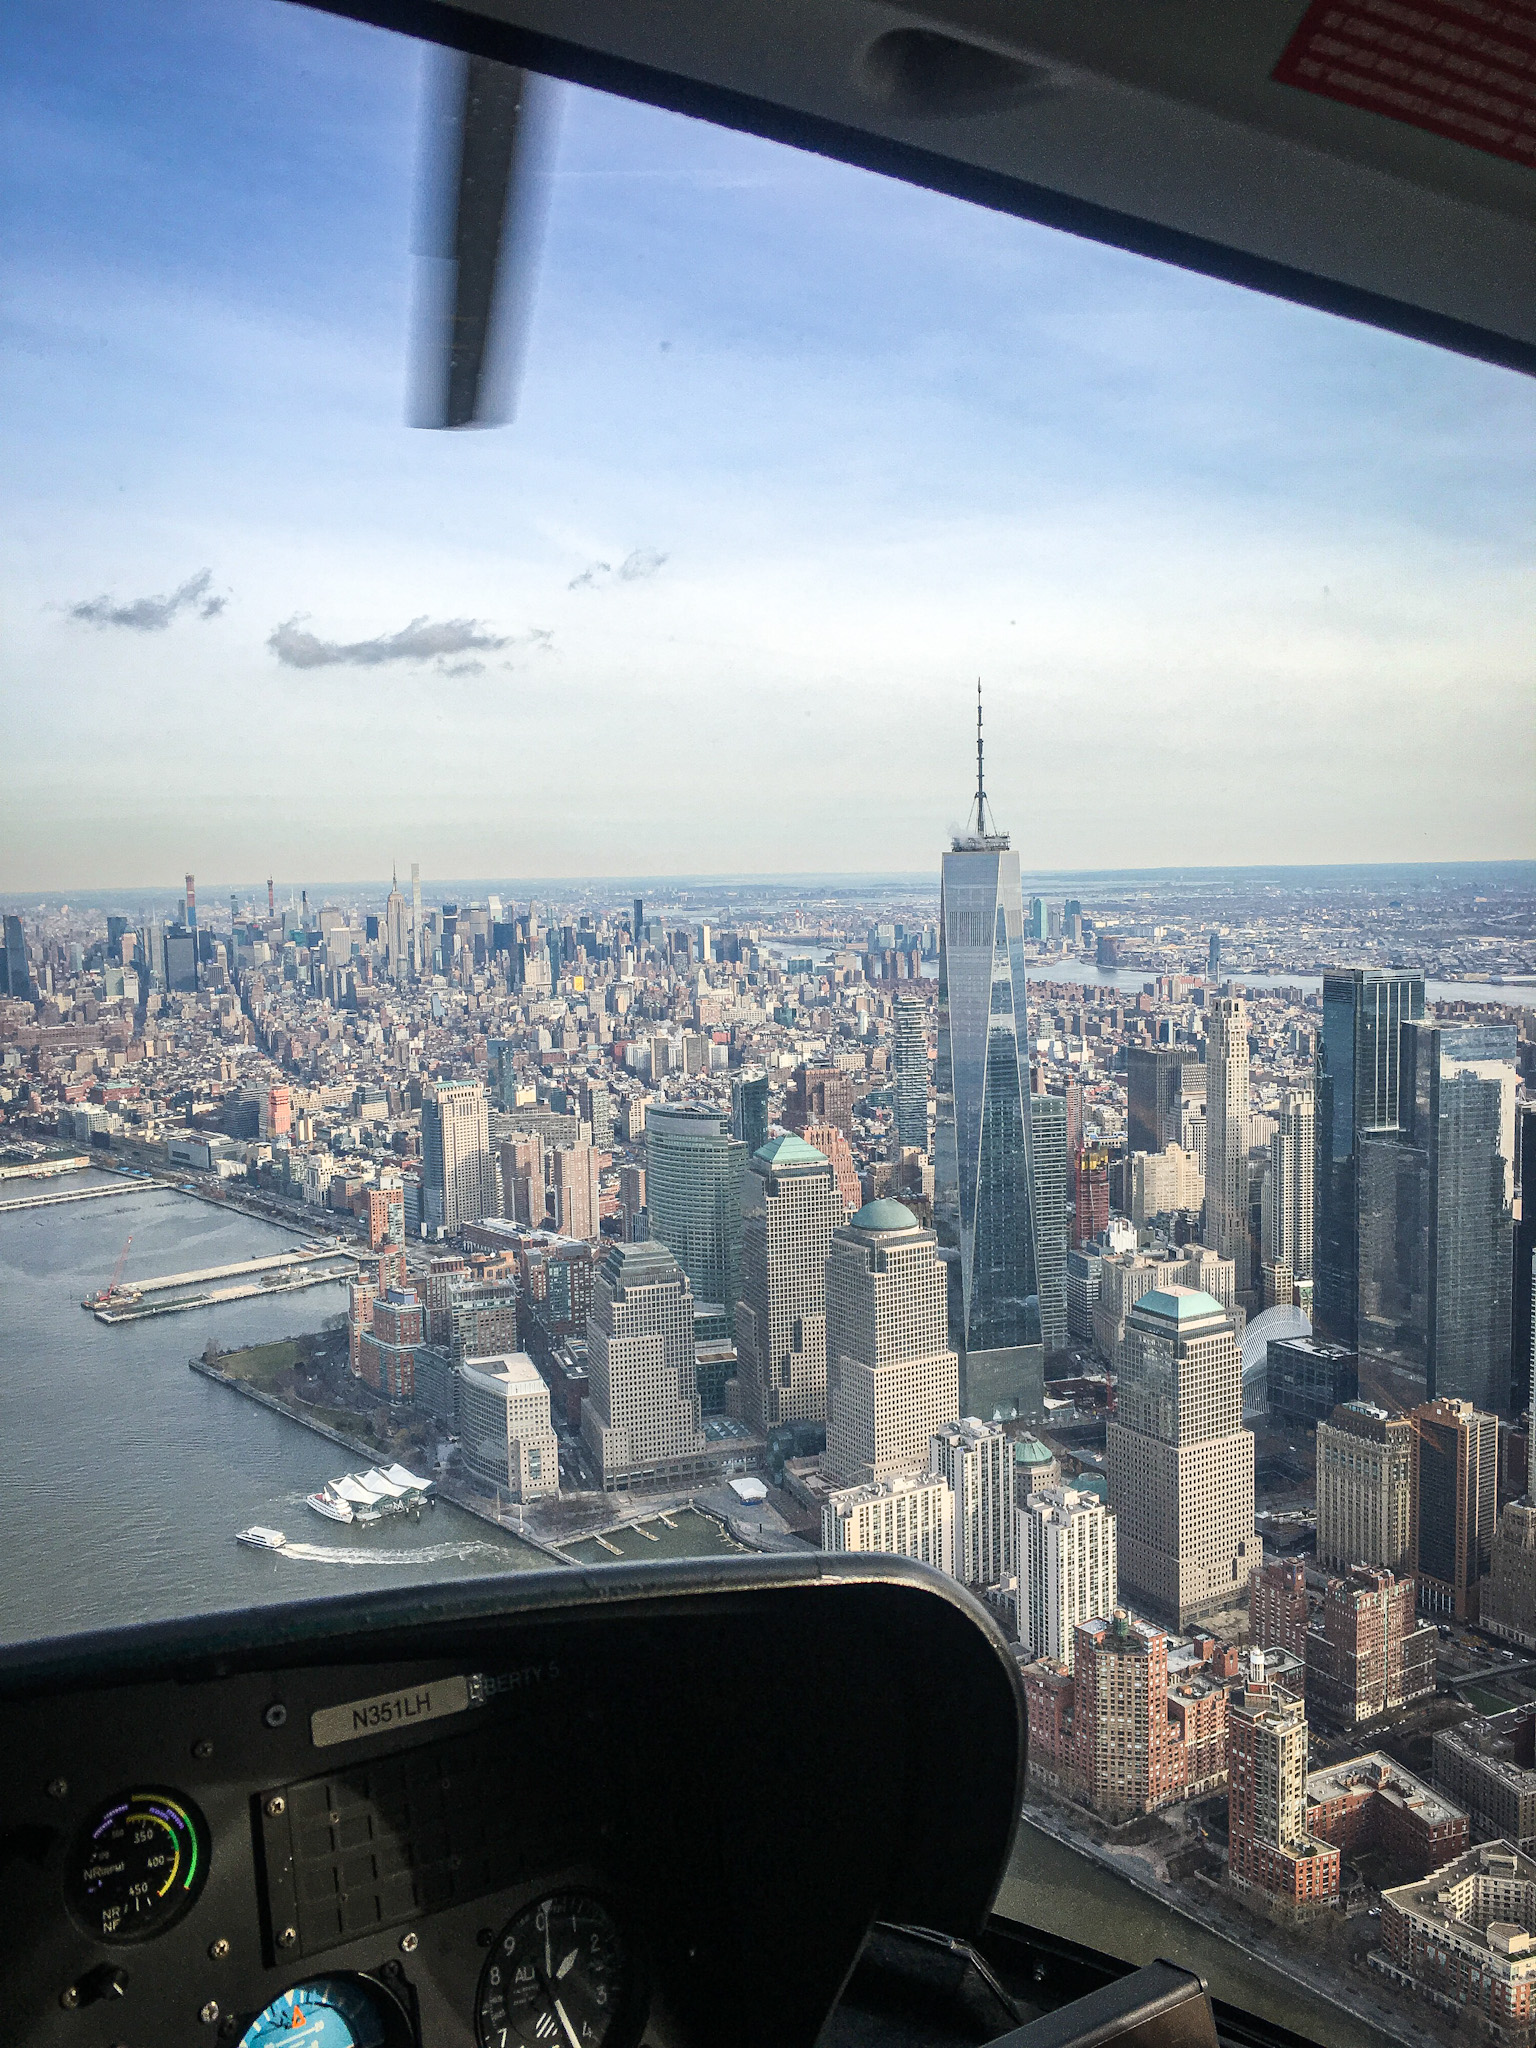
(430, 1553)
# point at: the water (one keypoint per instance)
(123, 1476)
(1051, 1887)
(1135, 979)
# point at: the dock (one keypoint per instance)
(121, 1187)
(283, 1273)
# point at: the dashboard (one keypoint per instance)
(654, 1805)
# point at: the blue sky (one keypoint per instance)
(1245, 583)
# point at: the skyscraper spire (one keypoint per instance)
(981, 789)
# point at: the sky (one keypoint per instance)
(800, 454)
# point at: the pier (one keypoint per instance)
(284, 1273)
(122, 1187)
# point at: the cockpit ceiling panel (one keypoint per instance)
(1159, 126)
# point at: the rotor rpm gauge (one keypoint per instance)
(560, 1975)
(137, 1865)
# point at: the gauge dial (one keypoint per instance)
(560, 1975)
(330, 2012)
(137, 1866)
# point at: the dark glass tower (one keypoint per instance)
(1364, 1009)
(983, 1178)
(1154, 1078)
(1436, 1224)
(1522, 1353)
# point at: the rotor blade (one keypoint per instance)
(487, 143)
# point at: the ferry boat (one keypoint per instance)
(327, 1504)
(258, 1538)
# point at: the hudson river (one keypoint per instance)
(125, 1476)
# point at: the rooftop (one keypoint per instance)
(1179, 1305)
(1377, 1773)
(884, 1214)
(789, 1151)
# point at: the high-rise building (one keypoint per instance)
(833, 1145)
(1268, 1846)
(1437, 1219)
(1286, 1232)
(1365, 1489)
(642, 1415)
(458, 1183)
(1356, 1093)
(1179, 1461)
(397, 933)
(793, 1206)
(693, 1169)
(1522, 1346)
(1154, 1097)
(506, 1439)
(973, 1458)
(386, 1215)
(417, 955)
(1130, 1757)
(1455, 1483)
(819, 1095)
(1226, 1136)
(1277, 1607)
(574, 1186)
(632, 1203)
(523, 1193)
(749, 1111)
(1213, 957)
(910, 1047)
(1508, 1606)
(983, 1179)
(892, 1380)
(1090, 1195)
(386, 1353)
(1305, 1381)
(191, 914)
(1066, 1566)
(637, 923)
(911, 1514)
(1051, 1165)
(1367, 1652)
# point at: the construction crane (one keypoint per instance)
(110, 1289)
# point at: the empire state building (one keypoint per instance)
(983, 1179)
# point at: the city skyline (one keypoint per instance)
(792, 435)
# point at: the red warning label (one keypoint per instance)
(1464, 69)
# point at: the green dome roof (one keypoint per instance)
(789, 1151)
(884, 1215)
(1028, 1450)
(1180, 1304)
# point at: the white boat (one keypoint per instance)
(259, 1538)
(328, 1505)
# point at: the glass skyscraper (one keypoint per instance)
(983, 1179)
(1436, 1221)
(1357, 1093)
(693, 1171)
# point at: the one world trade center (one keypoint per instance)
(983, 1179)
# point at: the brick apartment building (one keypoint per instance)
(1367, 1654)
(1277, 1608)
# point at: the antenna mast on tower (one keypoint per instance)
(981, 792)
